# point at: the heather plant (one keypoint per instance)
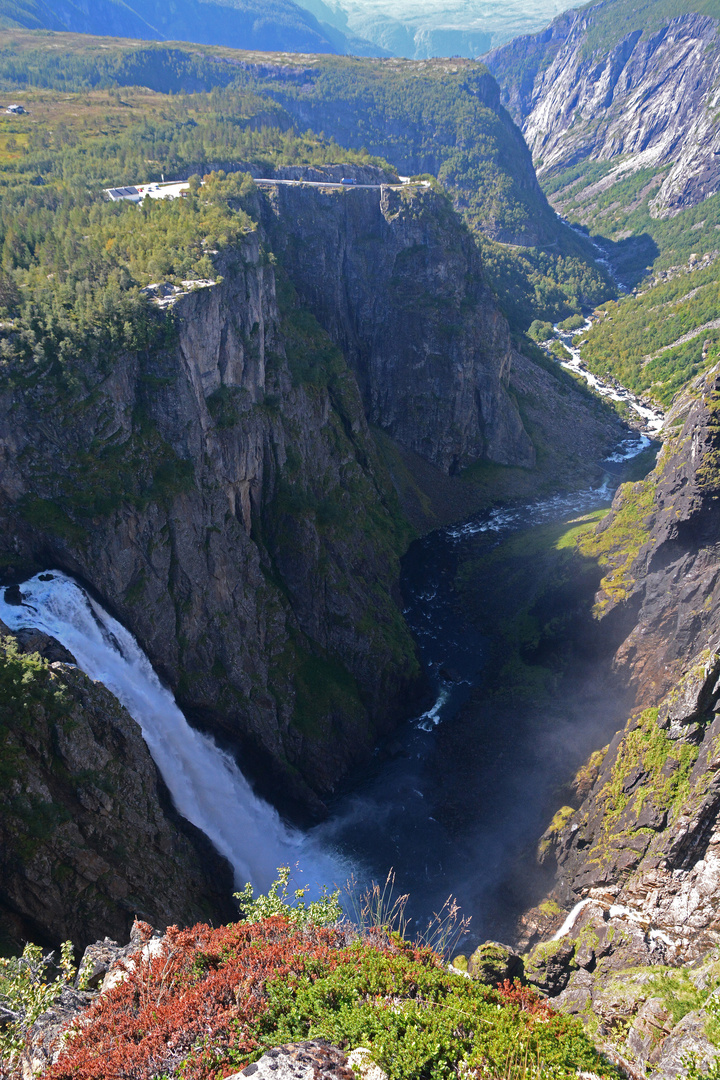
(206, 1002)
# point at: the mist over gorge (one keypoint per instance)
(358, 514)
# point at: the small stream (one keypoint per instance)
(650, 417)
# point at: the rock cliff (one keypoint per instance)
(223, 494)
(602, 85)
(88, 835)
(208, 490)
(638, 861)
(396, 280)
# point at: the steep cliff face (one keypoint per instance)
(208, 490)
(648, 823)
(396, 280)
(88, 835)
(638, 861)
(443, 117)
(605, 85)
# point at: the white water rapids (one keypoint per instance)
(205, 783)
(652, 418)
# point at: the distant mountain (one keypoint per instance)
(269, 25)
(620, 88)
(436, 27)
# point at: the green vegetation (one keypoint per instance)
(73, 265)
(555, 827)
(325, 911)
(574, 322)
(26, 684)
(617, 542)
(432, 117)
(540, 331)
(211, 1001)
(324, 690)
(29, 984)
(708, 473)
(621, 17)
(657, 341)
(665, 763)
(442, 116)
(537, 283)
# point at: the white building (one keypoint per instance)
(147, 191)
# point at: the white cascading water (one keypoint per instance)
(653, 418)
(205, 783)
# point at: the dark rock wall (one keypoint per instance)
(89, 838)
(211, 498)
(396, 280)
(647, 833)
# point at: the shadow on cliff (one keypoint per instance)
(630, 258)
(526, 693)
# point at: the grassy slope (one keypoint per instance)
(670, 261)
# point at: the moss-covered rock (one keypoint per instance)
(550, 964)
(88, 833)
(493, 963)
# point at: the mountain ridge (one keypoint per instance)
(271, 25)
(588, 91)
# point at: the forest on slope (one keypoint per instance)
(438, 117)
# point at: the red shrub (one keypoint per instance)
(526, 998)
(205, 987)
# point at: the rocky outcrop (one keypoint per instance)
(609, 970)
(395, 278)
(298, 1061)
(89, 838)
(638, 861)
(645, 832)
(599, 86)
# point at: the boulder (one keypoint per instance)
(493, 963)
(313, 1060)
(550, 964)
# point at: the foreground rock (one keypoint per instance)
(89, 838)
(314, 1060)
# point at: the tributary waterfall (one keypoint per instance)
(205, 783)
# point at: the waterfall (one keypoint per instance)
(206, 785)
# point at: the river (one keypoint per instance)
(500, 769)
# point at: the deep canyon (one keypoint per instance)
(359, 514)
